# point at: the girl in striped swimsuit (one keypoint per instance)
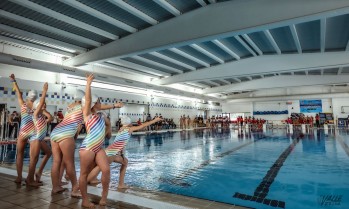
(90, 150)
(40, 123)
(63, 146)
(115, 151)
(26, 132)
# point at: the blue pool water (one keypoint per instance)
(271, 170)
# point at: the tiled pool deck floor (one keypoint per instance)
(19, 196)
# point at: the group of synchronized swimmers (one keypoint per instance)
(93, 159)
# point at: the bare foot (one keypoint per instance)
(94, 181)
(58, 190)
(76, 194)
(123, 186)
(32, 184)
(103, 202)
(38, 177)
(18, 180)
(87, 204)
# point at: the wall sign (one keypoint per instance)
(310, 106)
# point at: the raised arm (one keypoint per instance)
(48, 115)
(87, 107)
(136, 128)
(18, 92)
(42, 100)
(113, 106)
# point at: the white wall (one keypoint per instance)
(337, 104)
(238, 107)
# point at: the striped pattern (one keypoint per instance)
(40, 127)
(27, 129)
(95, 127)
(119, 143)
(68, 127)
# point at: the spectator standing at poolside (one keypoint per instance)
(317, 120)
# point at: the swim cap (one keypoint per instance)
(78, 95)
(36, 104)
(32, 95)
(94, 99)
(125, 120)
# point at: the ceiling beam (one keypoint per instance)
(188, 56)
(35, 46)
(39, 38)
(169, 7)
(64, 18)
(191, 27)
(142, 59)
(126, 69)
(254, 46)
(272, 41)
(90, 11)
(323, 34)
(212, 83)
(138, 67)
(280, 82)
(207, 53)
(167, 58)
(236, 79)
(267, 64)
(125, 6)
(224, 81)
(200, 85)
(296, 38)
(191, 86)
(245, 45)
(226, 49)
(201, 2)
(48, 28)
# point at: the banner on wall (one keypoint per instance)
(310, 106)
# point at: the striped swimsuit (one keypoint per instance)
(27, 129)
(119, 143)
(68, 127)
(40, 127)
(95, 127)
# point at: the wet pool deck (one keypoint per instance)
(19, 196)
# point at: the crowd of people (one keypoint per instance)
(302, 119)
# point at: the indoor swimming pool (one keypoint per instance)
(257, 170)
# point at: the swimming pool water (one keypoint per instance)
(270, 170)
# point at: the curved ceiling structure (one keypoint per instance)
(221, 48)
